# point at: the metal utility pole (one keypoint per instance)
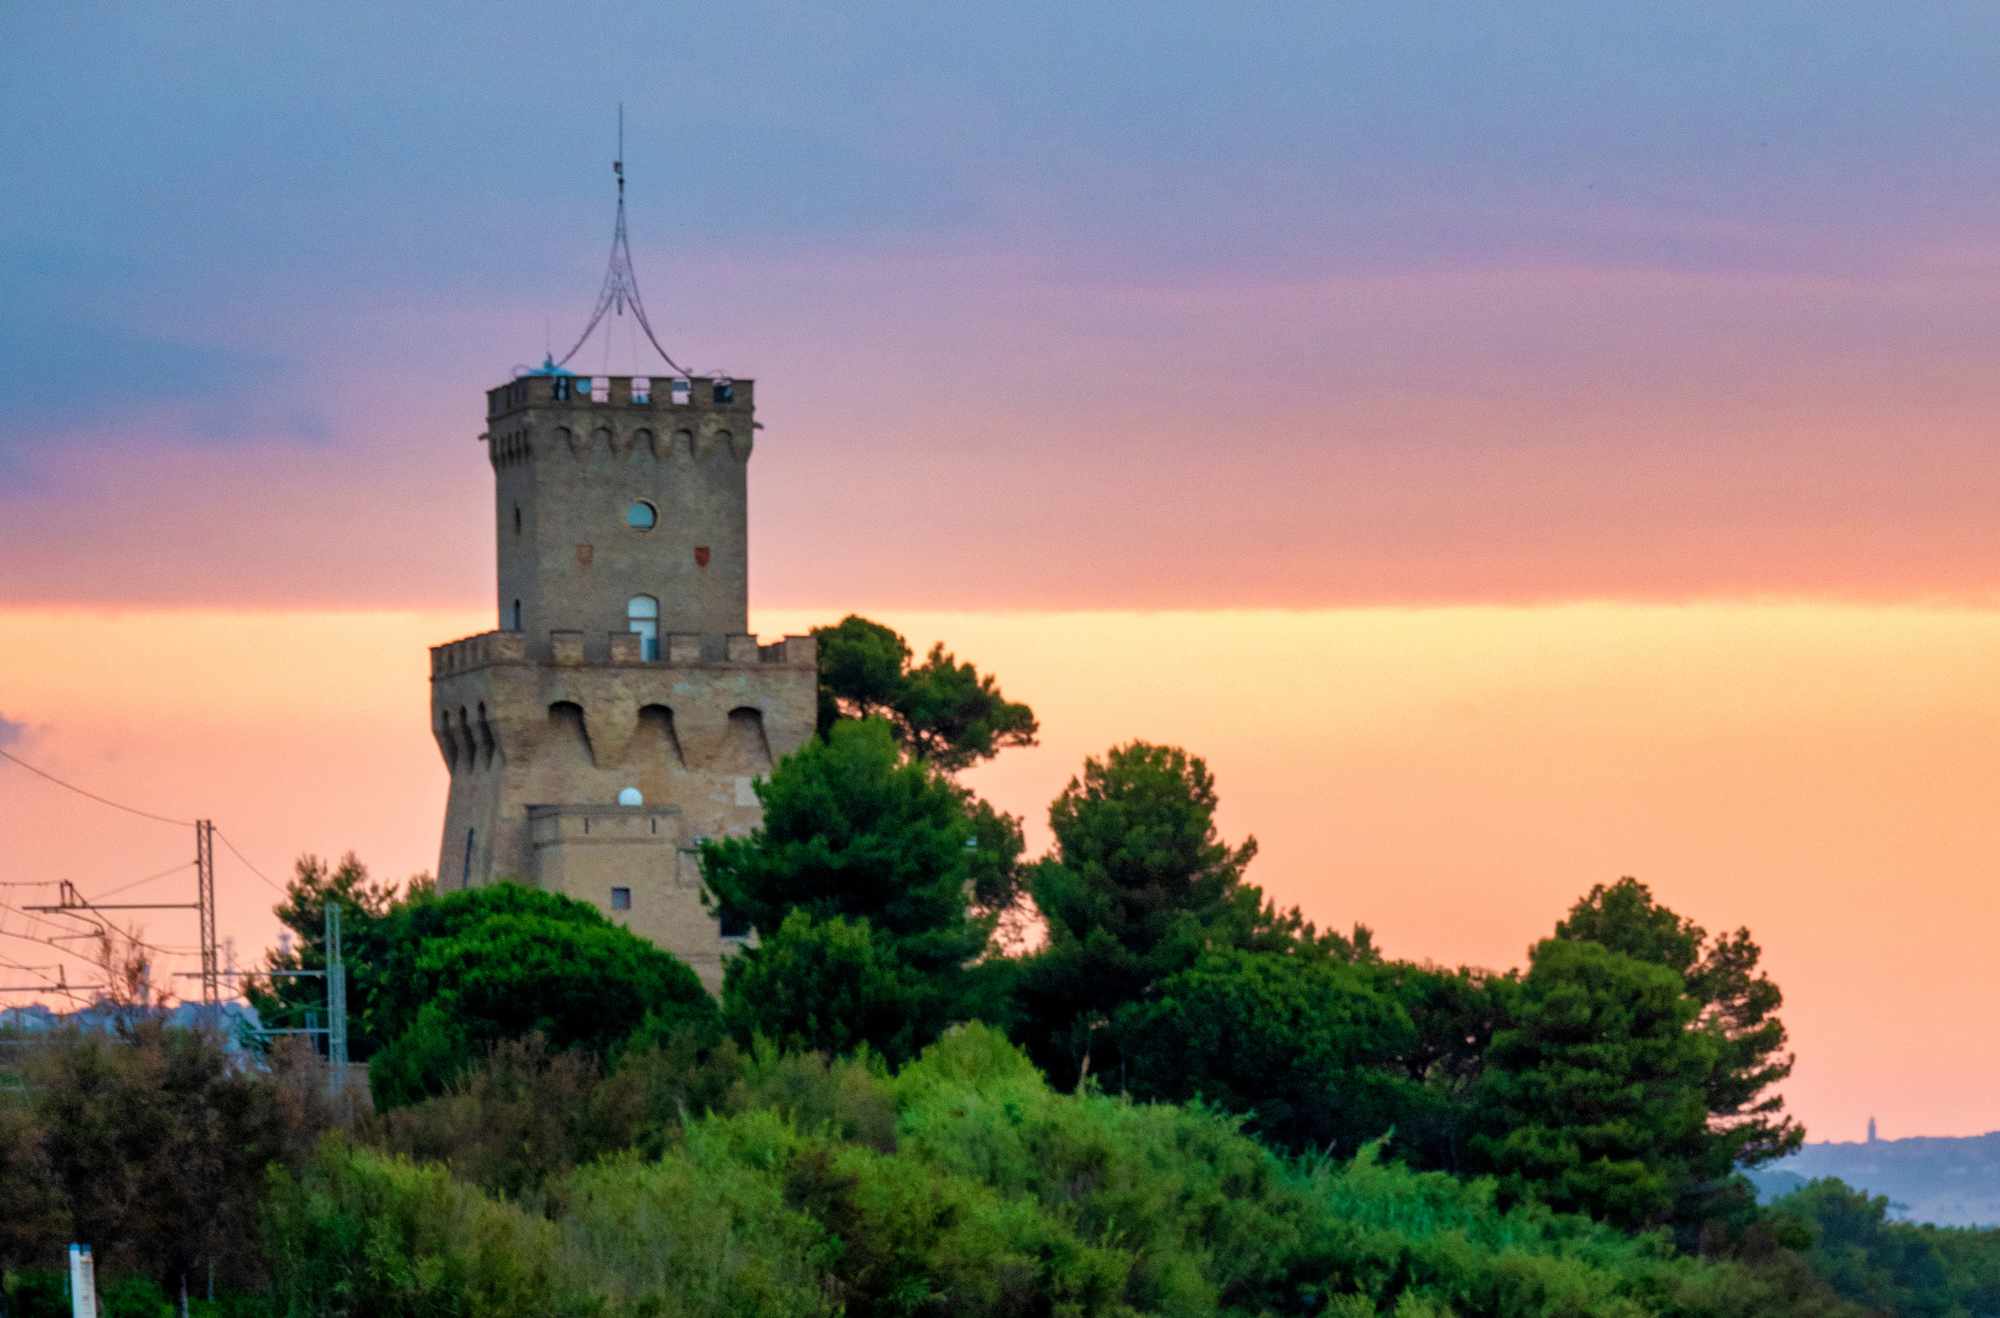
(70, 901)
(204, 883)
(336, 1002)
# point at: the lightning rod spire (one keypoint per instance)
(621, 282)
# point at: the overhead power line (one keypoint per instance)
(101, 800)
(268, 882)
(61, 930)
(150, 878)
(167, 873)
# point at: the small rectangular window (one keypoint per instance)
(725, 393)
(734, 925)
(600, 388)
(681, 390)
(621, 899)
(642, 389)
(559, 389)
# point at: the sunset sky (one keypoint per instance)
(1518, 446)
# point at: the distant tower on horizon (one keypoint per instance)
(1871, 1130)
(621, 711)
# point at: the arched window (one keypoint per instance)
(642, 515)
(631, 796)
(642, 615)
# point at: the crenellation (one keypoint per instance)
(680, 650)
(703, 393)
(800, 650)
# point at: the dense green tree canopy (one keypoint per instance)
(1593, 1096)
(852, 829)
(1739, 1005)
(477, 967)
(1139, 885)
(1138, 860)
(417, 928)
(1305, 1047)
(943, 712)
(832, 986)
(860, 883)
(1453, 1015)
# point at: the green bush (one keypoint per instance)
(36, 1293)
(501, 963)
(965, 1185)
(133, 1297)
(357, 1233)
(699, 1234)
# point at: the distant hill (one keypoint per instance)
(1951, 1182)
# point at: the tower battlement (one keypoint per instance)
(679, 650)
(653, 394)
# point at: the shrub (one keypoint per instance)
(358, 1233)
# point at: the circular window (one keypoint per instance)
(630, 796)
(642, 516)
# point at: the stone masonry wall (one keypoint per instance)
(540, 750)
(568, 470)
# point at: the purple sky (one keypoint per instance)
(1331, 304)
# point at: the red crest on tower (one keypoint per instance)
(701, 555)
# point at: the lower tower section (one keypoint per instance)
(597, 775)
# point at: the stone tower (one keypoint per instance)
(620, 712)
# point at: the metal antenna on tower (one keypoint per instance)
(621, 282)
